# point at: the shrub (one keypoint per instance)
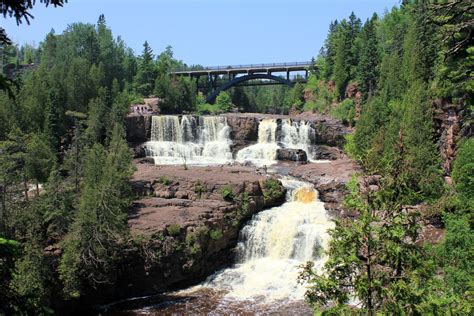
(216, 234)
(345, 111)
(166, 181)
(174, 230)
(350, 147)
(271, 189)
(223, 102)
(227, 193)
(199, 188)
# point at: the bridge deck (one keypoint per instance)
(244, 69)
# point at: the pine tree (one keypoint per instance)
(146, 74)
(51, 126)
(367, 67)
(91, 247)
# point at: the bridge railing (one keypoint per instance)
(268, 65)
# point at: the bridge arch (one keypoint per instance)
(212, 97)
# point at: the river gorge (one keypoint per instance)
(227, 209)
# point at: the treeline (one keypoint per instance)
(65, 164)
(400, 66)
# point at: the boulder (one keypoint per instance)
(147, 160)
(323, 152)
(291, 154)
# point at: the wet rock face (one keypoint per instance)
(138, 128)
(244, 130)
(290, 154)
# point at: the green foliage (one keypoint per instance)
(39, 159)
(146, 72)
(272, 189)
(367, 66)
(224, 102)
(206, 108)
(92, 244)
(200, 189)
(350, 147)
(345, 111)
(374, 257)
(295, 97)
(216, 234)
(194, 238)
(165, 180)
(31, 277)
(463, 173)
(227, 193)
(456, 253)
(174, 230)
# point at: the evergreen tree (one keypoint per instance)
(39, 160)
(91, 247)
(367, 67)
(146, 74)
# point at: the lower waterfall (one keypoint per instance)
(264, 280)
(274, 244)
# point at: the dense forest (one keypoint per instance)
(65, 164)
(406, 67)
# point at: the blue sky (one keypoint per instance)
(207, 32)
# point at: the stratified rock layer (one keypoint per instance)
(185, 223)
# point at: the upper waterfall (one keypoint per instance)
(274, 134)
(188, 140)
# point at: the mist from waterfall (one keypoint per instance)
(188, 140)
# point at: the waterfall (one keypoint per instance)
(190, 141)
(294, 134)
(264, 152)
(297, 135)
(274, 244)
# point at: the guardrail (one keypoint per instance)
(269, 65)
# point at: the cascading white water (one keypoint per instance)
(188, 141)
(264, 152)
(297, 134)
(294, 134)
(273, 245)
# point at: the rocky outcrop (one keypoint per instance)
(185, 223)
(447, 118)
(328, 131)
(323, 152)
(353, 92)
(290, 154)
(244, 130)
(138, 128)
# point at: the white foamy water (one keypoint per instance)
(197, 142)
(294, 134)
(273, 245)
(271, 249)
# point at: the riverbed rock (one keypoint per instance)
(186, 223)
(330, 179)
(323, 152)
(291, 154)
